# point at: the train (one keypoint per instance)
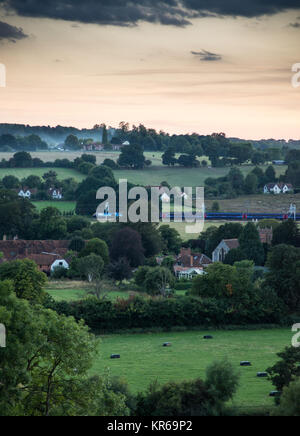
(235, 216)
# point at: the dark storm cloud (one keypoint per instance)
(130, 13)
(11, 33)
(205, 55)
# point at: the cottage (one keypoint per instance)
(55, 193)
(278, 188)
(189, 264)
(221, 251)
(26, 193)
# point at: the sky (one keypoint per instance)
(181, 66)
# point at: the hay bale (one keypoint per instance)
(245, 363)
(275, 394)
(115, 356)
(262, 374)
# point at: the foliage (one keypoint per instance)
(287, 369)
(28, 282)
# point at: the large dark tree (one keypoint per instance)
(284, 275)
(287, 233)
(132, 156)
(127, 244)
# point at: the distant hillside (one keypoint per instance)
(52, 135)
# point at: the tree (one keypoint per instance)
(159, 281)
(251, 184)
(225, 282)
(77, 223)
(168, 158)
(22, 159)
(77, 244)
(51, 224)
(171, 239)
(132, 156)
(98, 247)
(251, 245)
(104, 134)
(10, 182)
(287, 369)
(127, 243)
(72, 142)
(289, 401)
(28, 282)
(33, 182)
(120, 270)
(52, 356)
(91, 267)
(284, 277)
(270, 175)
(222, 380)
(287, 233)
(236, 178)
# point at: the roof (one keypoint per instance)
(188, 259)
(21, 249)
(280, 185)
(232, 243)
(44, 259)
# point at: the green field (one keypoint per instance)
(21, 173)
(79, 294)
(62, 206)
(143, 359)
(179, 176)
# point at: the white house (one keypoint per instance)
(190, 273)
(278, 188)
(56, 194)
(59, 263)
(25, 193)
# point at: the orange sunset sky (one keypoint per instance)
(183, 71)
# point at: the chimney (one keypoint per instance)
(4, 238)
(192, 260)
(185, 251)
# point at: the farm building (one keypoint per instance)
(278, 188)
(46, 254)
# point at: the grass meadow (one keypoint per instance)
(21, 173)
(144, 359)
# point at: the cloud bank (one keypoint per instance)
(130, 13)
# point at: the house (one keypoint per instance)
(278, 188)
(266, 236)
(189, 264)
(221, 251)
(94, 146)
(55, 193)
(47, 262)
(26, 192)
(46, 254)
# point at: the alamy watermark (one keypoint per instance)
(2, 336)
(296, 76)
(2, 76)
(296, 337)
(135, 205)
